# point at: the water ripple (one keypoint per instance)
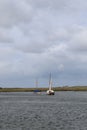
(26, 111)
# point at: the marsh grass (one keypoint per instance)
(66, 88)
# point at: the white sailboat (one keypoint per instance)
(50, 91)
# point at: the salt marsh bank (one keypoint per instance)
(28, 111)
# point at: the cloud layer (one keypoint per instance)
(42, 36)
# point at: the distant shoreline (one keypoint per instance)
(66, 88)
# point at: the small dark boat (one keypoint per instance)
(37, 91)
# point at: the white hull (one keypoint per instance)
(50, 92)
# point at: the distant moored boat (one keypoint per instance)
(37, 91)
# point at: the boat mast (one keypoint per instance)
(50, 82)
(36, 83)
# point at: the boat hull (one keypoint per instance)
(50, 92)
(37, 91)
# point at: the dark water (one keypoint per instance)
(27, 111)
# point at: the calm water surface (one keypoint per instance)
(28, 111)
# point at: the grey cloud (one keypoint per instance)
(49, 4)
(14, 12)
(42, 37)
(5, 36)
(78, 41)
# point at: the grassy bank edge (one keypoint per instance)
(73, 88)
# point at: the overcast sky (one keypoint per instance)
(42, 36)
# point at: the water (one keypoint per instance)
(28, 111)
